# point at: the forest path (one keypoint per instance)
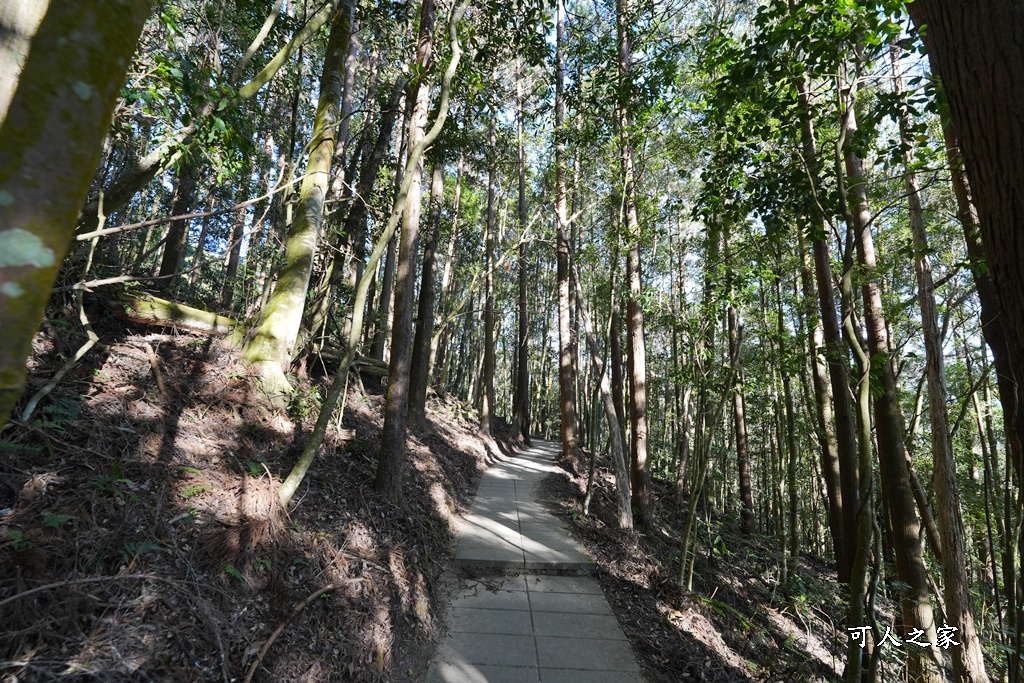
(532, 627)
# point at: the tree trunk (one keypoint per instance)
(177, 231)
(636, 352)
(276, 333)
(379, 326)
(916, 607)
(419, 376)
(822, 408)
(391, 461)
(347, 268)
(566, 369)
(487, 376)
(968, 662)
(739, 421)
(234, 256)
(53, 120)
(791, 446)
(521, 403)
(974, 49)
(340, 382)
(618, 451)
(437, 347)
(615, 342)
(847, 499)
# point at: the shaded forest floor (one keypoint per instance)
(738, 624)
(140, 539)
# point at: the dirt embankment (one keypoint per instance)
(740, 623)
(139, 539)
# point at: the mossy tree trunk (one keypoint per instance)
(347, 266)
(277, 331)
(52, 129)
(359, 307)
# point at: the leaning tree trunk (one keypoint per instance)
(52, 123)
(390, 465)
(354, 230)
(618, 450)
(278, 329)
(340, 382)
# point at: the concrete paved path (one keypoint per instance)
(508, 529)
(530, 628)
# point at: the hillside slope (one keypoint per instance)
(140, 539)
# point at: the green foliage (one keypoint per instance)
(55, 521)
(194, 490)
(305, 403)
(19, 448)
(59, 411)
(15, 538)
(256, 467)
(230, 570)
(115, 484)
(133, 551)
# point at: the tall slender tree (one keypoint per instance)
(487, 371)
(390, 464)
(276, 333)
(521, 402)
(636, 349)
(566, 366)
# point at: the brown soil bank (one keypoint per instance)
(139, 539)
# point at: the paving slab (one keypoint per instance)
(588, 654)
(505, 621)
(599, 626)
(569, 603)
(497, 649)
(507, 629)
(507, 527)
(528, 627)
(562, 584)
(581, 676)
(464, 672)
